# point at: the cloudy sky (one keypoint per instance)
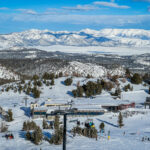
(20, 15)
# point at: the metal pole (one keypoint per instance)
(25, 98)
(64, 132)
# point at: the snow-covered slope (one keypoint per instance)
(7, 74)
(83, 69)
(86, 37)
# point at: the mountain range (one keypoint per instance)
(86, 37)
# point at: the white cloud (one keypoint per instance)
(4, 8)
(27, 11)
(82, 8)
(111, 4)
(105, 20)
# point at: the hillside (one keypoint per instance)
(129, 133)
(8, 74)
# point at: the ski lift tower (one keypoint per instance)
(65, 114)
(25, 99)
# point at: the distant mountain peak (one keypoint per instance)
(85, 37)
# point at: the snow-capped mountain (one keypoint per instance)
(86, 37)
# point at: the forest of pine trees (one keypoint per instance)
(92, 88)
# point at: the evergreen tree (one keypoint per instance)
(75, 93)
(28, 135)
(22, 81)
(24, 126)
(37, 136)
(56, 123)
(10, 116)
(80, 91)
(28, 90)
(68, 81)
(36, 92)
(35, 77)
(52, 76)
(52, 82)
(46, 76)
(58, 136)
(60, 74)
(88, 76)
(128, 74)
(120, 120)
(45, 125)
(3, 127)
(136, 79)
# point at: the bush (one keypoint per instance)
(68, 81)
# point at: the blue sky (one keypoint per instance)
(20, 15)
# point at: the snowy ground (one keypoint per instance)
(118, 50)
(135, 128)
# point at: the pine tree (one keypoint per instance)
(128, 74)
(60, 74)
(120, 120)
(35, 77)
(3, 127)
(24, 126)
(88, 76)
(136, 79)
(80, 91)
(75, 94)
(58, 136)
(28, 135)
(10, 115)
(45, 125)
(68, 81)
(52, 82)
(56, 123)
(37, 136)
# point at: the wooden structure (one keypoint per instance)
(115, 108)
(48, 114)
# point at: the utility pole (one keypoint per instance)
(25, 98)
(64, 131)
